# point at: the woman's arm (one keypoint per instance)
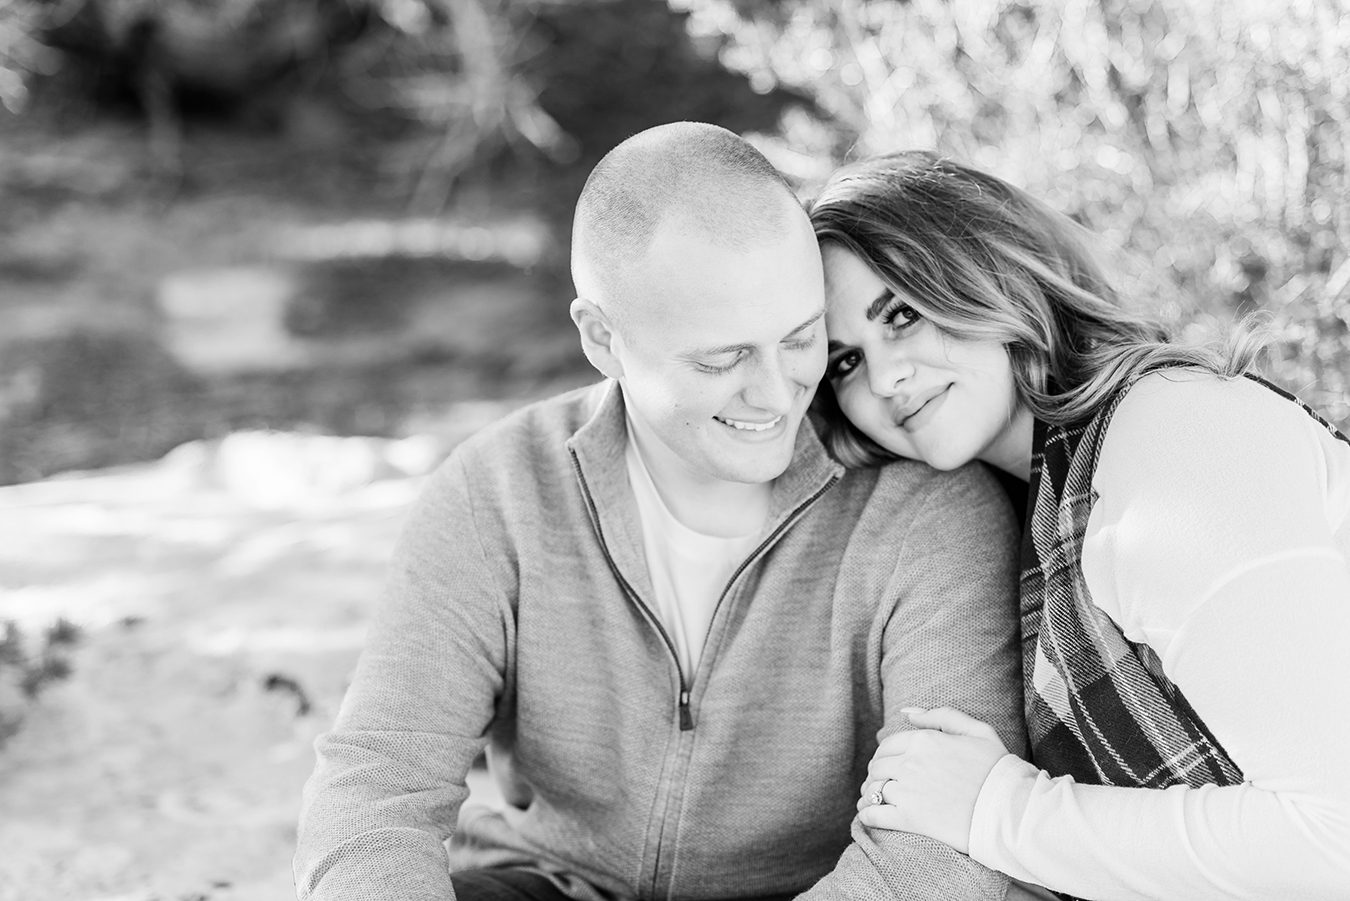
(1211, 543)
(1272, 682)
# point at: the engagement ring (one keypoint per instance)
(878, 796)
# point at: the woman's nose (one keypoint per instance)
(885, 375)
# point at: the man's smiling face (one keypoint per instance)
(723, 351)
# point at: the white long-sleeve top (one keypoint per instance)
(1221, 538)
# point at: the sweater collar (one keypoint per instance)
(598, 449)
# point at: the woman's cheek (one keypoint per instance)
(855, 405)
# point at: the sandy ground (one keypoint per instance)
(164, 768)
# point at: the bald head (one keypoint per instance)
(691, 177)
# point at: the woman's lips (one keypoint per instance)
(925, 410)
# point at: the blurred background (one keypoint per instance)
(263, 262)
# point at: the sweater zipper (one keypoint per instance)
(686, 718)
(685, 713)
(772, 537)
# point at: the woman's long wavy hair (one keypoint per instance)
(983, 260)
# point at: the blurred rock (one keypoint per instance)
(273, 470)
(88, 398)
(221, 321)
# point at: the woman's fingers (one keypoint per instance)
(887, 766)
(892, 752)
(898, 743)
(951, 721)
(946, 720)
(877, 791)
(931, 776)
(884, 816)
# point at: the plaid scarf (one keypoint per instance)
(1104, 712)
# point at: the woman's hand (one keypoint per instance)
(930, 777)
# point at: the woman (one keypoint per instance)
(1186, 567)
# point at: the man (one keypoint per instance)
(676, 625)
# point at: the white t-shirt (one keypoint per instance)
(1220, 538)
(689, 570)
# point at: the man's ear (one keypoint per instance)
(597, 337)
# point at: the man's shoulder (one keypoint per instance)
(905, 483)
(540, 426)
(906, 513)
(501, 480)
(522, 457)
(906, 498)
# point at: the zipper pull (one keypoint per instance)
(686, 716)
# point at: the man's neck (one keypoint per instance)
(708, 506)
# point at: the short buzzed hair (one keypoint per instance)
(699, 176)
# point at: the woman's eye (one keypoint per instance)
(898, 315)
(841, 365)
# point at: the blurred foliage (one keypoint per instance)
(21, 52)
(25, 672)
(1209, 139)
(475, 84)
(468, 112)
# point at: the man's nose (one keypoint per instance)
(772, 386)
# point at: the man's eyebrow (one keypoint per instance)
(807, 324)
(736, 348)
(719, 350)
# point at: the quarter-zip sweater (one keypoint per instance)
(517, 617)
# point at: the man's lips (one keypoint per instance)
(748, 425)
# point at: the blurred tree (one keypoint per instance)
(486, 114)
(547, 87)
(1209, 138)
(527, 95)
(452, 67)
(607, 69)
(185, 57)
(487, 81)
(21, 54)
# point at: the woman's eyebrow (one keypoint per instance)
(874, 310)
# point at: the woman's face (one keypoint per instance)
(911, 388)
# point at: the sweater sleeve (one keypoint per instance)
(1211, 542)
(391, 774)
(950, 640)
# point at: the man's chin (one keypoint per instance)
(770, 463)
